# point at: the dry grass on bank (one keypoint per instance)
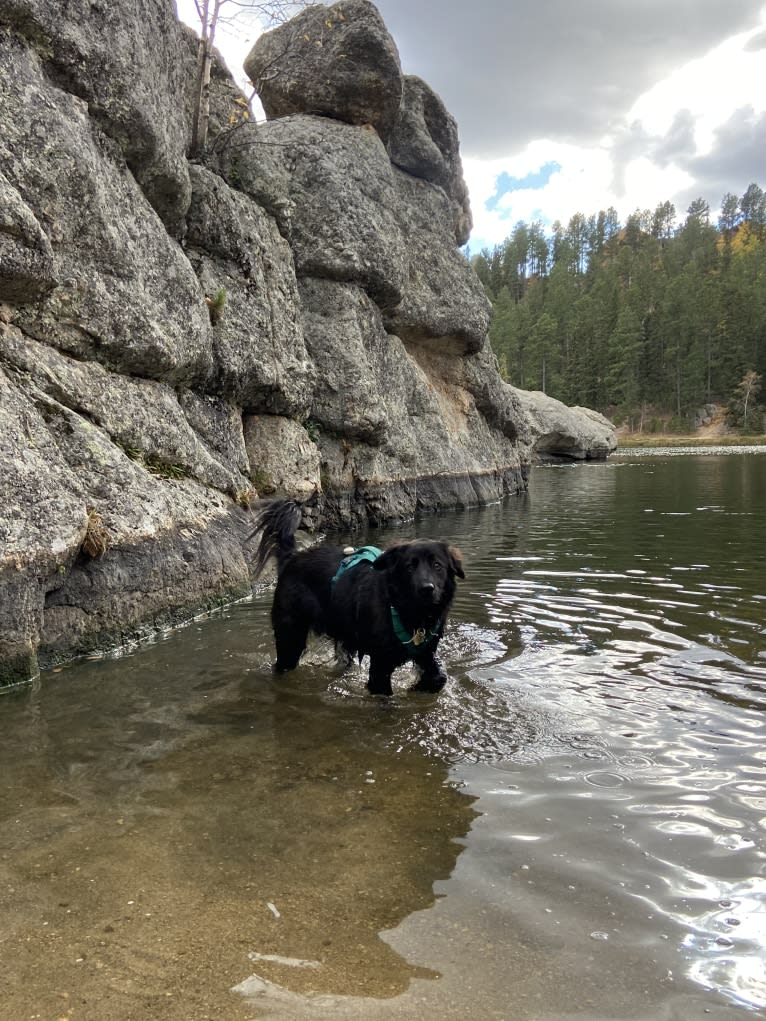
(627, 440)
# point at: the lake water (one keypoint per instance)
(574, 828)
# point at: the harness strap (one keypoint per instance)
(357, 556)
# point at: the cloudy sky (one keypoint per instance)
(569, 106)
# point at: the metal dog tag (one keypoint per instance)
(419, 636)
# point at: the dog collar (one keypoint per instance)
(419, 637)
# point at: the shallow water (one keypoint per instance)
(575, 827)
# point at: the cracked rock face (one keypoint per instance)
(424, 143)
(336, 203)
(259, 358)
(289, 314)
(336, 61)
(103, 241)
(122, 61)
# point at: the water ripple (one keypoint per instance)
(604, 712)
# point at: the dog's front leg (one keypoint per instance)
(379, 681)
(433, 676)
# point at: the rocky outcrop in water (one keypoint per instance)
(289, 313)
(556, 431)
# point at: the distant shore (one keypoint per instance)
(628, 440)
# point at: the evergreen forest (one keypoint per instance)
(644, 320)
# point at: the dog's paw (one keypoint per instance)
(430, 684)
(380, 685)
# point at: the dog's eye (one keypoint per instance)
(437, 566)
(413, 564)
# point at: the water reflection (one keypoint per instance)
(575, 826)
(213, 815)
(642, 651)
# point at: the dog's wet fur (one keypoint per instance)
(416, 578)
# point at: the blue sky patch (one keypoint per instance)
(505, 183)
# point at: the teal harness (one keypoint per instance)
(420, 638)
(368, 553)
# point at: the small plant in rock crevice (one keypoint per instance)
(165, 469)
(97, 539)
(216, 305)
(262, 481)
(155, 464)
(313, 429)
(246, 497)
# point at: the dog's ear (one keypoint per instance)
(455, 561)
(389, 558)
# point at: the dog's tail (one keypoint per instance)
(277, 525)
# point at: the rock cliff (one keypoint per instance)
(289, 313)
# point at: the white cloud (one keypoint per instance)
(646, 185)
(581, 183)
(630, 168)
(726, 78)
(654, 144)
(234, 41)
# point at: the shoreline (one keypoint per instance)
(631, 440)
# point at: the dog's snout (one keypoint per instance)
(427, 588)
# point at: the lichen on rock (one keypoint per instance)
(337, 61)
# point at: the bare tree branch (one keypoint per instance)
(268, 12)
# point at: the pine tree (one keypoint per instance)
(648, 315)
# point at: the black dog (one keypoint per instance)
(390, 605)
